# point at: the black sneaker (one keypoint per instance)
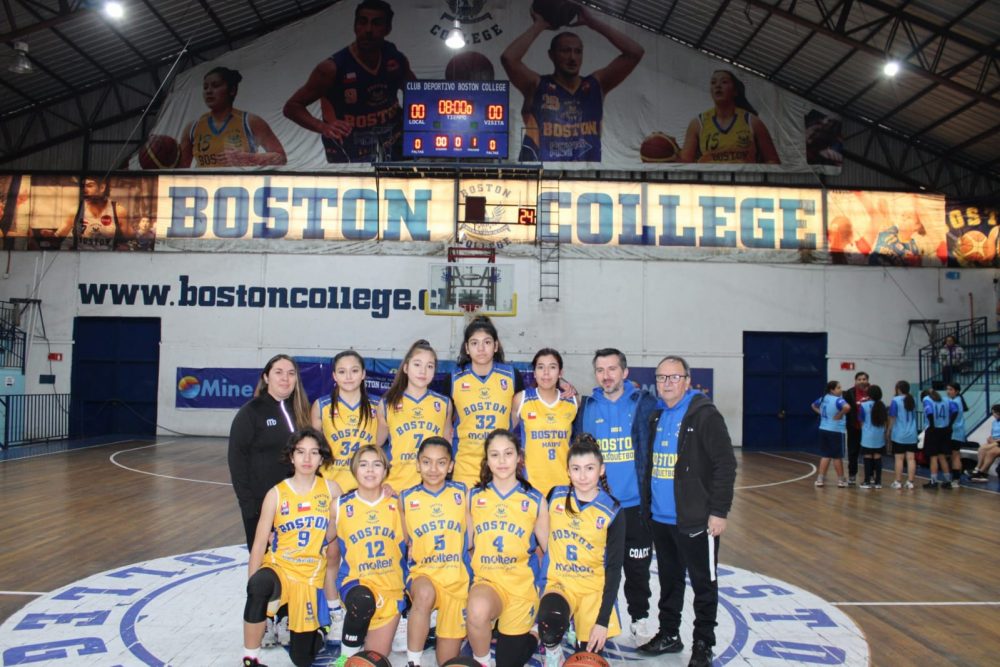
(932, 485)
(701, 654)
(661, 643)
(946, 485)
(252, 662)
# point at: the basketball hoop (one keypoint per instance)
(470, 311)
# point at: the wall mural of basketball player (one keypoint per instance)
(100, 223)
(358, 89)
(563, 111)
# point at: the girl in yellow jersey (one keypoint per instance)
(228, 137)
(731, 131)
(482, 390)
(435, 519)
(413, 412)
(583, 564)
(508, 520)
(369, 531)
(347, 417)
(300, 512)
(545, 420)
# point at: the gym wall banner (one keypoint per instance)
(607, 95)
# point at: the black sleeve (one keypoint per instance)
(723, 462)
(578, 420)
(518, 381)
(241, 434)
(613, 568)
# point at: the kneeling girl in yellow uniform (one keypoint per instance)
(300, 511)
(435, 519)
(583, 564)
(369, 531)
(508, 520)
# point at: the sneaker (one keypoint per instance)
(399, 639)
(661, 644)
(841, 483)
(819, 482)
(897, 485)
(932, 485)
(980, 477)
(908, 485)
(877, 486)
(270, 637)
(570, 636)
(281, 633)
(851, 481)
(336, 627)
(642, 627)
(701, 654)
(553, 656)
(947, 485)
(340, 661)
(252, 662)
(864, 485)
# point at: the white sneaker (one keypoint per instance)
(897, 485)
(570, 637)
(819, 482)
(336, 625)
(553, 656)
(644, 628)
(270, 637)
(909, 484)
(399, 639)
(281, 633)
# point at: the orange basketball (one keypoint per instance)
(974, 247)
(368, 659)
(658, 147)
(585, 659)
(469, 66)
(556, 13)
(159, 152)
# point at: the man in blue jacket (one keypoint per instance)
(617, 415)
(687, 490)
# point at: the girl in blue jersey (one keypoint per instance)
(508, 521)
(941, 413)
(294, 572)
(831, 409)
(873, 416)
(902, 429)
(958, 434)
(989, 451)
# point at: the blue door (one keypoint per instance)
(116, 364)
(783, 373)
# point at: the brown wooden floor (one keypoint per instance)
(844, 545)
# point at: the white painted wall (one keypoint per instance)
(648, 308)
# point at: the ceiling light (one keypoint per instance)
(891, 68)
(21, 64)
(114, 10)
(456, 40)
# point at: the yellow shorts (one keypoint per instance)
(307, 608)
(468, 463)
(517, 613)
(584, 608)
(450, 602)
(388, 604)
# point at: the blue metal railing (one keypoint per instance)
(27, 418)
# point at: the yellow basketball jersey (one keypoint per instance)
(370, 536)
(734, 143)
(435, 523)
(482, 404)
(504, 538)
(300, 525)
(545, 433)
(410, 421)
(577, 542)
(210, 142)
(345, 433)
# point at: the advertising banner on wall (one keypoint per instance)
(973, 234)
(579, 90)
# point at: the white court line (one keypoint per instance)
(66, 450)
(21, 593)
(812, 471)
(916, 604)
(156, 474)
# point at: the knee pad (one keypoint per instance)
(303, 647)
(263, 586)
(553, 619)
(359, 607)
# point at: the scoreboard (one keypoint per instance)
(456, 119)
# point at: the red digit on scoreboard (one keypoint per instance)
(458, 142)
(441, 141)
(494, 112)
(473, 141)
(418, 112)
(418, 144)
(493, 144)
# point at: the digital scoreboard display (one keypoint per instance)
(456, 119)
